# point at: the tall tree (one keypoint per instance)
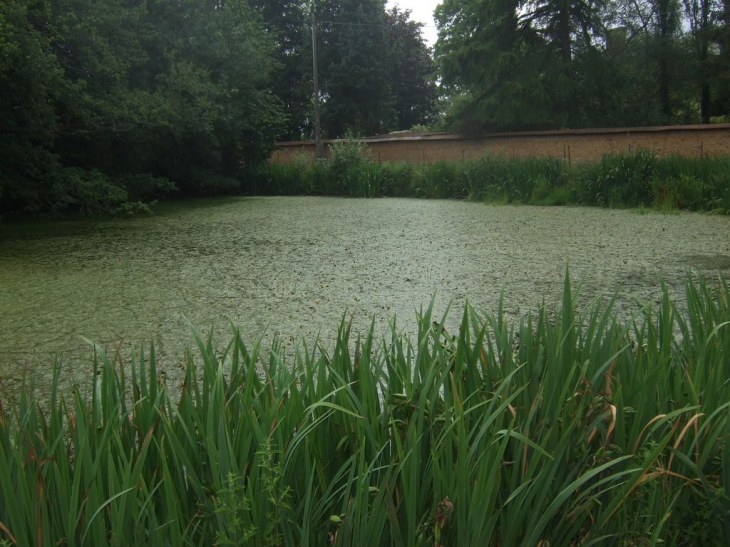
(30, 77)
(567, 25)
(375, 70)
(497, 65)
(515, 58)
(646, 69)
(721, 68)
(356, 94)
(287, 21)
(667, 26)
(214, 63)
(702, 16)
(658, 48)
(412, 70)
(107, 100)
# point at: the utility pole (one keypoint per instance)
(317, 128)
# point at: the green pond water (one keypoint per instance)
(291, 267)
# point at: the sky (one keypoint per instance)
(421, 11)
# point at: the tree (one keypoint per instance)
(568, 26)
(412, 70)
(375, 71)
(706, 19)
(212, 67)
(500, 67)
(721, 64)
(107, 101)
(29, 77)
(515, 58)
(355, 84)
(521, 64)
(666, 28)
(649, 65)
(287, 22)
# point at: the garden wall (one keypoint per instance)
(574, 145)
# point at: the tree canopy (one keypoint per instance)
(538, 64)
(376, 73)
(107, 102)
(412, 70)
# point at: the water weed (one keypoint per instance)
(570, 427)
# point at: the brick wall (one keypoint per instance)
(574, 145)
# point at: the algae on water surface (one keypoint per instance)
(292, 266)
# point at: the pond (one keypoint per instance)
(293, 267)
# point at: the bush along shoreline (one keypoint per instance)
(567, 428)
(636, 179)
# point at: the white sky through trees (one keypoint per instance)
(421, 11)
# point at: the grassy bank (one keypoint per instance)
(638, 179)
(565, 429)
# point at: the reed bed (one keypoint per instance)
(636, 179)
(569, 428)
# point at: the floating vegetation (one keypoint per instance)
(565, 428)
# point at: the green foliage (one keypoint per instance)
(638, 179)
(512, 62)
(291, 82)
(568, 427)
(439, 180)
(108, 102)
(376, 72)
(622, 179)
(412, 71)
(518, 180)
(230, 508)
(548, 64)
(642, 179)
(348, 153)
(353, 77)
(693, 184)
(351, 171)
(398, 178)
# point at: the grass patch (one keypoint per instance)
(567, 428)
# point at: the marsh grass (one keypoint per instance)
(637, 179)
(567, 428)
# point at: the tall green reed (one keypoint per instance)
(695, 184)
(568, 427)
(636, 179)
(622, 179)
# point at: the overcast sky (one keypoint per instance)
(421, 11)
